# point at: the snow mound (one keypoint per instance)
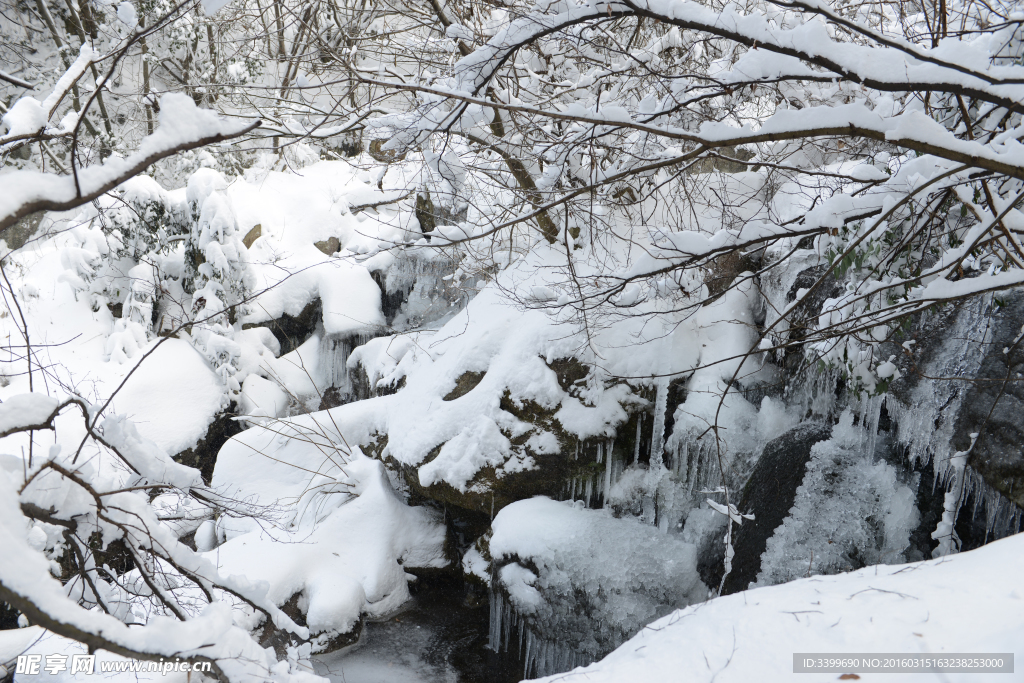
(340, 538)
(172, 397)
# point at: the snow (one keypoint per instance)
(351, 299)
(263, 398)
(584, 579)
(26, 575)
(172, 396)
(181, 123)
(329, 530)
(964, 603)
(128, 15)
(25, 117)
(348, 534)
(23, 410)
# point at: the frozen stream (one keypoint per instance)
(436, 638)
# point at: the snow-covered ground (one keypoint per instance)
(967, 603)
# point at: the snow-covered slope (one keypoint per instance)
(967, 603)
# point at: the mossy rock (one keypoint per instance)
(466, 383)
(387, 156)
(551, 474)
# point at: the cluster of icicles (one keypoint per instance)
(540, 657)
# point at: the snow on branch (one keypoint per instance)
(183, 126)
(891, 66)
(84, 499)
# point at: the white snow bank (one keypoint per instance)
(172, 397)
(971, 602)
(343, 537)
(24, 410)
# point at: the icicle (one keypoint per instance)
(529, 652)
(636, 444)
(608, 474)
(870, 415)
(658, 439)
(494, 633)
(944, 532)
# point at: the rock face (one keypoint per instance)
(769, 495)
(994, 407)
(292, 331)
(8, 616)
(966, 364)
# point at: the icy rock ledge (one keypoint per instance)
(570, 584)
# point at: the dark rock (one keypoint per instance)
(724, 270)
(994, 406)
(804, 318)
(929, 501)
(711, 558)
(203, 456)
(425, 212)
(332, 398)
(569, 372)
(769, 494)
(390, 300)
(675, 398)
(292, 331)
(350, 144)
(8, 616)
(21, 232)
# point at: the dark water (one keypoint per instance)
(440, 636)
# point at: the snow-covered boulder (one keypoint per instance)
(579, 582)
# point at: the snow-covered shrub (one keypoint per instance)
(215, 261)
(851, 511)
(142, 217)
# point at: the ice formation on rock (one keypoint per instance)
(850, 511)
(570, 584)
